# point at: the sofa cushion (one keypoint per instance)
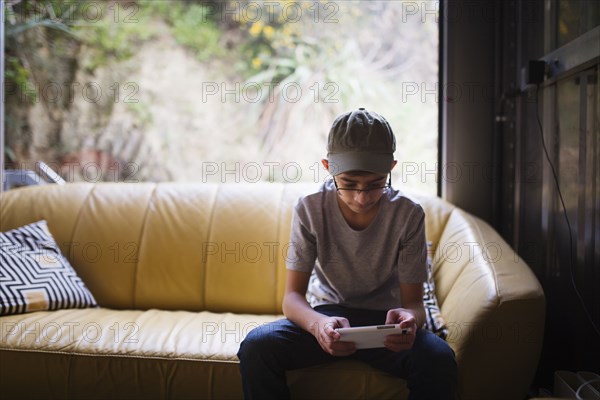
(35, 275)
(152, 333)
(139, 354)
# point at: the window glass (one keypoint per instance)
(575, 17)
(216, 91)
(568, 98)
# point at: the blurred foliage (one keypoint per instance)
(141, 111)
(114, 32)
(27, 25)
(22, 15)
(192, 24)
(16, 74)
(272, 36)
(344, 55)
(20, 18)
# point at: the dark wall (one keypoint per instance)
(468, 105)
(496, 140)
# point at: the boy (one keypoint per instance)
(358, 259)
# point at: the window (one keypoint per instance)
(215, 91)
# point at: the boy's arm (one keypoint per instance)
(411, 315)
(322, 327)
(412, 300)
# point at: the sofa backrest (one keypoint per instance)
(217, 247)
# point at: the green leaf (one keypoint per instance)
(47, 23)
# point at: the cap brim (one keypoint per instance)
(355, 161)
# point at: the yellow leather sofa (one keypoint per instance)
(183, 271)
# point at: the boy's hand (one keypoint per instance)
(406, 320)
(329, 338)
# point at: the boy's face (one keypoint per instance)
(360, 191)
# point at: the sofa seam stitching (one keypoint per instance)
(204, 259)
(78, 218)
(137, 263)
(277, 260)
(120, 355)
(439, 243)
(490, 264)
(465, 216)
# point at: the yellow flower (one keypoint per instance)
(256, 28)
(268, 31)
(256, 63)
(286, 30)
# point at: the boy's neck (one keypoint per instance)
(357, 221)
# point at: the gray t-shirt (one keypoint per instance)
(360, 269)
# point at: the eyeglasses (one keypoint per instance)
(367, 191)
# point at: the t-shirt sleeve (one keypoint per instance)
(412, 257)
(302, 249)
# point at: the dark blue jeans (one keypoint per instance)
(271, 349)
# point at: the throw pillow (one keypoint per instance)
(433, 317)
(35, 275)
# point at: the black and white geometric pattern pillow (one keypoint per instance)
(433, 317)
(35, 275)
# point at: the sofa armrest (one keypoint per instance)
(494, 307)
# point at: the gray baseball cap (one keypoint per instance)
(360, 140)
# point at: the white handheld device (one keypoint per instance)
(369, 337)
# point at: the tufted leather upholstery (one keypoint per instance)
(184, 271)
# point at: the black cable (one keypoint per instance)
(537, 114)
